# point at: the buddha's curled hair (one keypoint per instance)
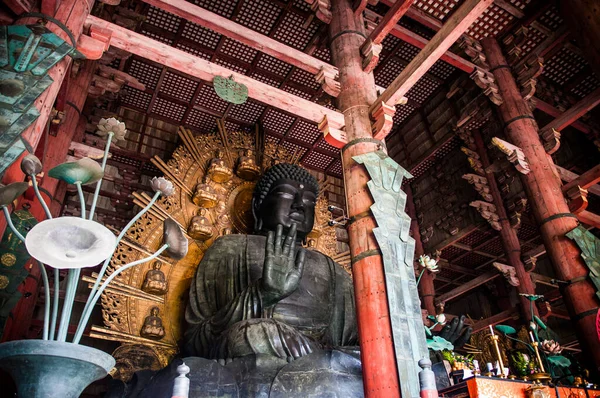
(279, 171)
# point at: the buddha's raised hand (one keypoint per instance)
(283, 267)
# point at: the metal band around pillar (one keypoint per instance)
(365, 254)
(503, 66)
(357, 217)
(344, 32)
(557, 216)
(361, 140)
(514, 119)
(585, 314)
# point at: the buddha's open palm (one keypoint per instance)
(283, 267)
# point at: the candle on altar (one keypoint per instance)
(531, 336)
(492, 330)
(476, 364)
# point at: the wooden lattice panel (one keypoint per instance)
(162, 19)
(402, 113)
(248, 112)
(490, 23)
(323, 54)
(158, 37)
(317, 161)
(451, 252)
(200, 35)
(292, 32)
(230, 65)
(147, 74)
(471, 260)
(493, 247)
(138, 99)
(439, 9)
(200, 121)
(223, 8)
(169, 109)
(237, 50)
(422, 90)
(305, 79)
(259, 15)
(273, 65)
(325, 147)
(563, 66)
(304, 132)
(534, 38)
(277, 122)
(527, 231)
(208, 98)
(587, 85)
(294, 148)
(336, 168)
(475, 238)
(390, 70)
(442, 70)
(551, 19)
(184, 46)
(263, 78)
(178, 86)
(297, 92)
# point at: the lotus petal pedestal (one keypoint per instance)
(44, 369)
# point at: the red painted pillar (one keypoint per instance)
(543, 188)
(508, 236)
(347, 34)
(426, 287)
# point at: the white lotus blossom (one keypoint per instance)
(429, 263)
(163, 185)
(105, 126)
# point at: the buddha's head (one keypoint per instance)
(286, 194)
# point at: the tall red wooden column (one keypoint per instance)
(426, 286)
(347, 34)
(508, 236)
(543, 188)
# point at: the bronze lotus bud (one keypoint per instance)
(31, 165)
(162, 185)
(174, 237)
(12, 191)
(551, 347)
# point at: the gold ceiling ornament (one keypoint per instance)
(136, 312)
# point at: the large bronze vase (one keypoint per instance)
(44, 369)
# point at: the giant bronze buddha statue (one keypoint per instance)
(278, 319)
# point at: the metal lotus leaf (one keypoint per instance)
(540, 323)
(559, 360)
(70, 242)
(10, 192)
(174, 237)
(84, 171)
(31, 165)
(106, 126)
(439, 344)
(505, 329)
(229, 90)
(162, 185)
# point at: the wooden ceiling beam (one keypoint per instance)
(553, 111)
(189, 64)
(572, 114)
(240, 33)
(456, 25)
(585, 180)
(502, 317)
(414, 39)
(467, 287)
(589, 218)
(568, 176)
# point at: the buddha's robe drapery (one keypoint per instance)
(226, 318)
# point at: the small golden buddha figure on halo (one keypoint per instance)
(200, 227)
(247, 168)
(155, 281)
(153, 326)
(205, 195)
(218, 170)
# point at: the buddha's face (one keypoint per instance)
(288, 202)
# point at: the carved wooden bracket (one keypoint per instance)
(334, 137)
(516, 209)
(321, 10)
(111, 80)
(488, 212)
(526, 76)
(474, 50)
(327, 78)
(481, 185)
(530, 263)
(509, 273)
(382, 115)
(426, 234)
(474, 162)
(127, 18)
(514, 154)
(370, 53)
(487, 82)
(551, 140)
(577, 198)
(514, 44)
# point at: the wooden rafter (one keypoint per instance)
(467, 287)
(572, 114)
(585, 180)
(414, 39)
(495, 319)
(163, 54)
(240, 33)
(458, 23)
(372, 45)
(553, 111)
